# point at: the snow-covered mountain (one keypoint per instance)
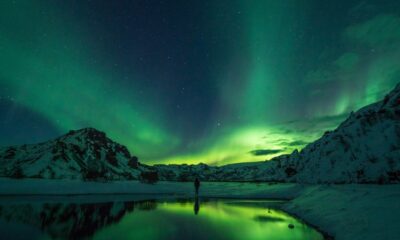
(365, 148)
(83, 154)
(240, 172)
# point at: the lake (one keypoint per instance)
(197, 218)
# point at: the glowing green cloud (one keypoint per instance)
(238, 144)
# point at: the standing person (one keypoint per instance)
(197, 185)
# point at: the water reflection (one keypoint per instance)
(69, 221)
(151, 219)
(196, 205)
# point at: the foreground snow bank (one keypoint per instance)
(343, 211)
(351, 211)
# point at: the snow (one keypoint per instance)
(10, 186)
(83, 154)
(349, 211)
(363, 149)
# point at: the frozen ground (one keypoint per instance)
(208, 189)
(351, 211)
(343, 211)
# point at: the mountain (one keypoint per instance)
(240, 172)
(365, 148)
(83, 154)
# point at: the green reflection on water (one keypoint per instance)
(215, 219)
(65, 218)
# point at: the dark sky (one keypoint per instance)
(193, 81)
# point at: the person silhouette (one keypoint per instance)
(196, 205)
(197, 185)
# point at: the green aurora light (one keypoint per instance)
(275, 86)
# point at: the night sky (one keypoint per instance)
(193, 81)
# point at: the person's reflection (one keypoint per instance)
(196, 205)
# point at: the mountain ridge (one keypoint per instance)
(80, 154)
(364, 148)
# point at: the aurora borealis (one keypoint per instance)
(193, 81)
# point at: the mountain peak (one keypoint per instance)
(85, 153)
(363, 149)
(95, 139)
(89, 131)
(87, 134)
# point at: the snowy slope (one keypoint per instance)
(350, 211)
(83, 154)
(365, 148)
(240, 172)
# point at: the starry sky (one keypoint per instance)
(216, 82)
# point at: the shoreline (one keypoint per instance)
(342, 212)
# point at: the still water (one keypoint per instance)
(150, 219)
